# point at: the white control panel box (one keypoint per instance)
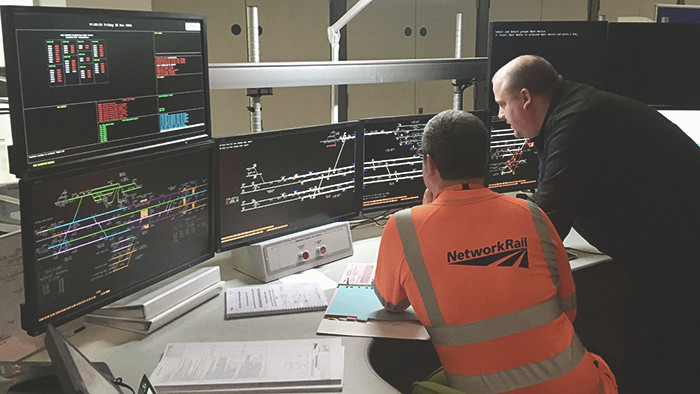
(290, 254)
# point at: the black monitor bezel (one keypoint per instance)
(361, 131)
(357, 201)
(17, 153)
(29, 309)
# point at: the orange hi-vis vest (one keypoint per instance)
(489, 278)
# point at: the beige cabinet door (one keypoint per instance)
(294, 31)
(436, 25)
(564, 10)
(291, 31)
(379, 32)
(515, 10)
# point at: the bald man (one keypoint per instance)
(628, 180)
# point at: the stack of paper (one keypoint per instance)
(260, 366)
(153, 307)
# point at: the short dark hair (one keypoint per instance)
(458, 143)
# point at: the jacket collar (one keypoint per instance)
(456, 194)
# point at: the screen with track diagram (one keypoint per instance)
(513, 162)
(392, 174)
(83, 83)
(280, 182)
(99, 235)
(576, 49)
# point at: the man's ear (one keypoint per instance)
(430, 166)
(526, 98)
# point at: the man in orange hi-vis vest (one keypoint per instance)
(487, 275)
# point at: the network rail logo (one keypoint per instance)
(506, 253)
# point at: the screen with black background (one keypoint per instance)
(279, 182)
(95, 235)
(575, 49)
(84, 83)
(655, 63)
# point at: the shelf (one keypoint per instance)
(292, 74)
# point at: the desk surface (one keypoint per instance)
(130, 355)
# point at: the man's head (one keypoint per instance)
(523, 90)
(456, 148)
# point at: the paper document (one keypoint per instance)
(274, 298)
(358, 274)
(310, 275)
(282, 364)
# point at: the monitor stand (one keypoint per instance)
(293, 253)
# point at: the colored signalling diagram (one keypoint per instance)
(115, 232)
(139, 222)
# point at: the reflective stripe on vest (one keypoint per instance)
(496, 327)
(526, 375)
(550, 254)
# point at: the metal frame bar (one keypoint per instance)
(593, 10)
(481, 90)
(337, 9)
(294, 74)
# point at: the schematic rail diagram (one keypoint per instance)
(507, 152)
(261, 193)
(395, 170)
(399, 159)
(112, 220)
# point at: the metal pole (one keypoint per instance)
(481, 91)
(457, 89)
(593, 10)
(333, 32)
(255, 107)
(340, 92)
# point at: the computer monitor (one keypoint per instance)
(95, 234)
(687, 119)
(575, 48)
(280, 182)
(655, 63)
(392, 174)
(677, 13)
(513, 162)
(89, 82)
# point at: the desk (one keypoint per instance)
(130, 355)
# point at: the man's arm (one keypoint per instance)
(560, 190)
(387, 277)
